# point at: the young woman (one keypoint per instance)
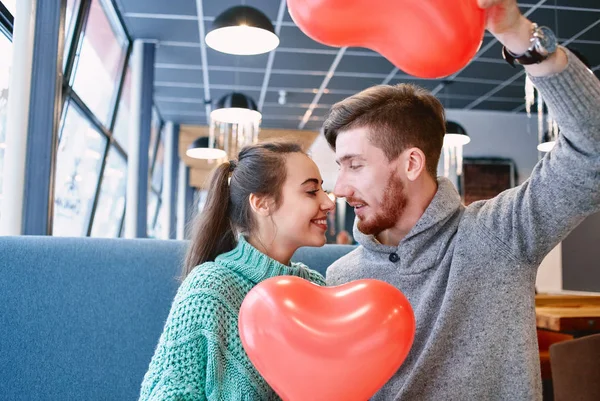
(259, 211)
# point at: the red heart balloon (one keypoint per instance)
(424, 38)
(326, 343)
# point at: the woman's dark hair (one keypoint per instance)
(260, 170)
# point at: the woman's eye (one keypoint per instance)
(313, 193)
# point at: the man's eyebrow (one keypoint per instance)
(345, 158)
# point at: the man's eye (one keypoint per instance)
(355, 166)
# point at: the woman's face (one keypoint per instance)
(301, 219)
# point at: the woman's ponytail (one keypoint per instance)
(213, 231)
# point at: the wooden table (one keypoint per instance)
(568, 313)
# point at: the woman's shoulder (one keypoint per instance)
(210, 275)
(212, 283)
(208, 296)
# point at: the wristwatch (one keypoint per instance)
(543, 44)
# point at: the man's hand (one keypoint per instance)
(513, 30)
(505, 21)
(503, 16)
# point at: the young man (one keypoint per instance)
(468, 272)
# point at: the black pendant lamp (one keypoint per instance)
(236, 108)
(454, 140)
(200, 149)
(242, 30)
(455, 134)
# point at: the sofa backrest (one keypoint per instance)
(81, 317)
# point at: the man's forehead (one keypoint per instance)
(352, 143)
(354, 132)
(351, 139)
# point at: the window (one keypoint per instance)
(156, 187)
(156, 154)
(11, 5)
(5, 66)
(79, 159)
(154, 130)
(157, 173)
(85, 202)
(70, 20)
(160, 222)
(152, 211)
(100, 61)
(121, 130)
(111, 203)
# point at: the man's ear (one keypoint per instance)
(414, 163)
(262, 205)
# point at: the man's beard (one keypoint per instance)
(392, 207)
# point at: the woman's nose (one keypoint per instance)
(329, 203)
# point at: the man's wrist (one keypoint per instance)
(517, 40)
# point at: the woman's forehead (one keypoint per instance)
(300, 168)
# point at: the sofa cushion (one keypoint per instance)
(81, 317)
(320, 259)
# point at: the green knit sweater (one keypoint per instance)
(199, 354)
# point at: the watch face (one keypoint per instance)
(547, 40)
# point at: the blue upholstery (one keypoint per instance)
(80, 317)
(320, 259)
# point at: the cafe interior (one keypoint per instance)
(115, 113)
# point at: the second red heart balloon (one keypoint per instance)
(424, 38)
(326, 343)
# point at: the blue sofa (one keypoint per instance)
(80, 317)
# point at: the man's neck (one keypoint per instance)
(415, 208)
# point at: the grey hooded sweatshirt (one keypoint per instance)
(469, 272)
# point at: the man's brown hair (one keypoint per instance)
(397, 117)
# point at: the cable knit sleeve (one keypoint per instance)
(198, 357)
(186, 353)
(564, 187)
(309, 274)
(316, 277)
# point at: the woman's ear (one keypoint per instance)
(262, 205)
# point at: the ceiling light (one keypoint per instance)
(236, 108)
(201, 149)
(454, 140)
(242, 30)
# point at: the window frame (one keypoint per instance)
(6, 29)
(74, 43)
(7, 22)
(79, 106)
(156, 191)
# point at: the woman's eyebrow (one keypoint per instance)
(313, 180)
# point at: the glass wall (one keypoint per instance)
(111, 203)
(121, 129)
(91, 159)
(11, 6)
(7, 11)
(78, 166)
(157, 162)
(91, 170)
(99, 61)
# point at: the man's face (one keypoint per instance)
(369, 182)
